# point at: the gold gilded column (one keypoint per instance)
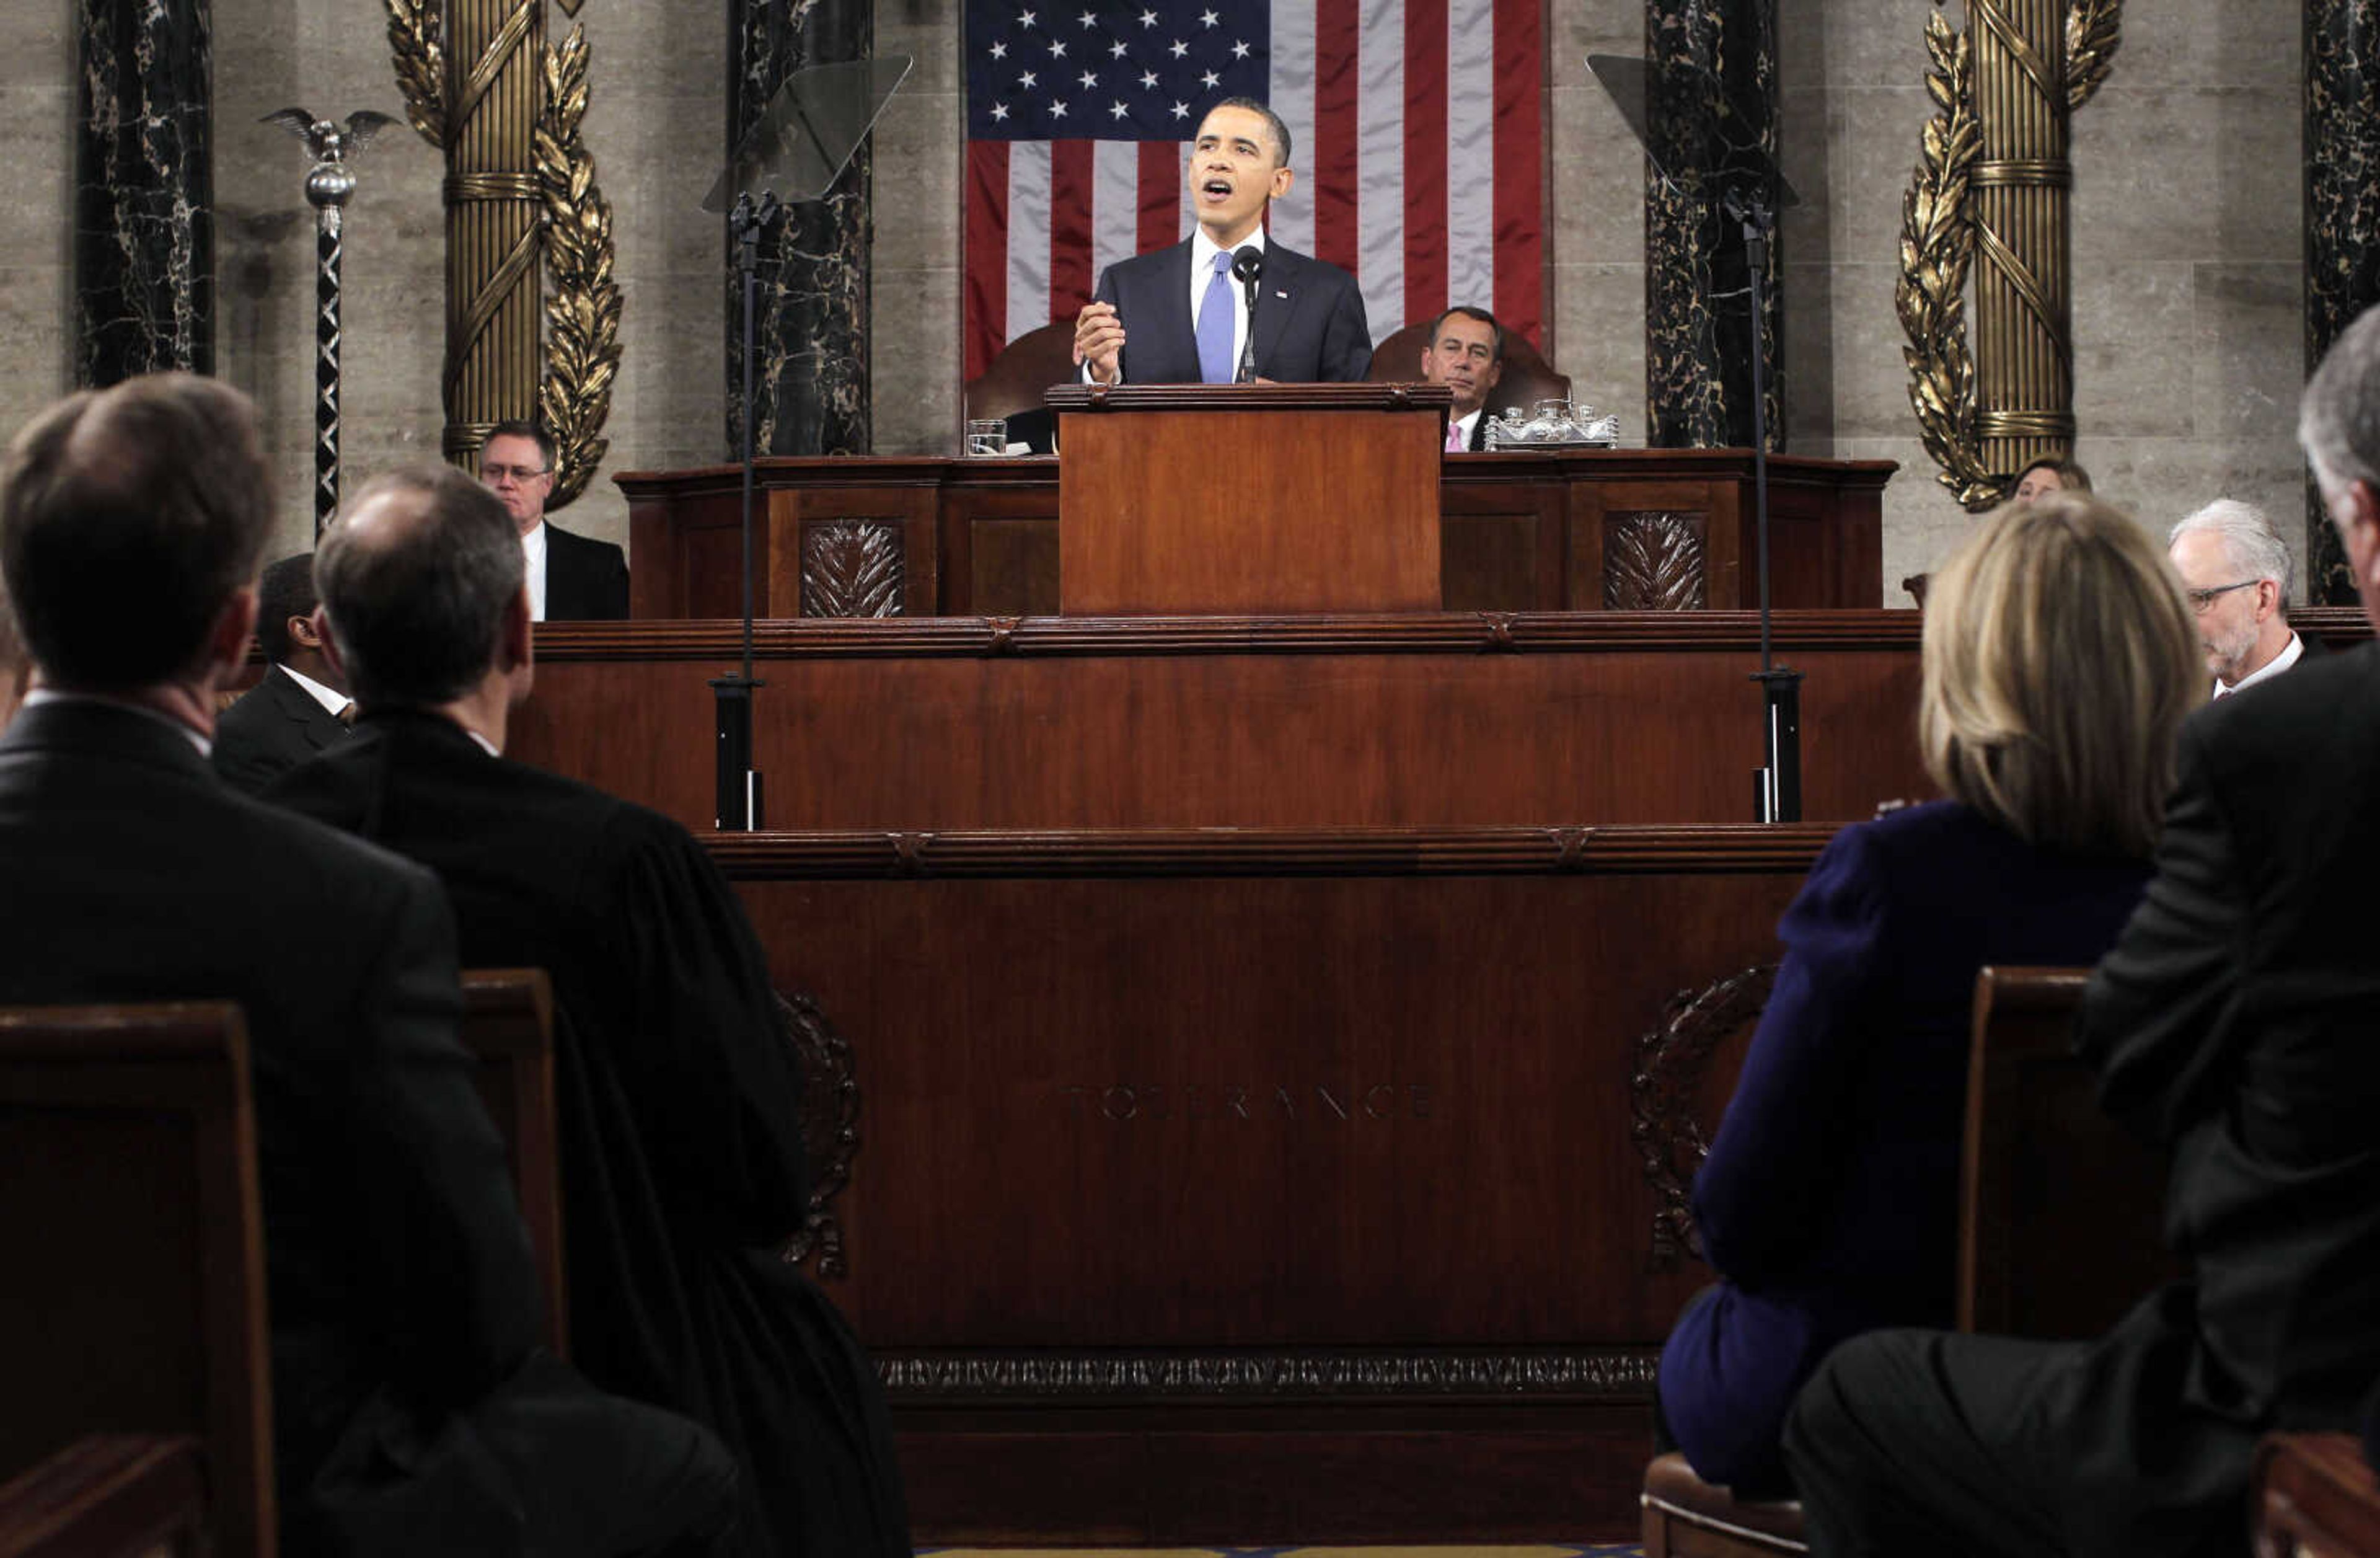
(494, 54)
(2021, 180)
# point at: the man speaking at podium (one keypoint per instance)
(1180, 316)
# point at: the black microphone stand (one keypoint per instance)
(738, 788)
(1779, 783)
(1248, 265)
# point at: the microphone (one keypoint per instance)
(1248, 265)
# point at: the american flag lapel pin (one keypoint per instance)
(1280, 294)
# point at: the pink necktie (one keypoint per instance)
(1454, 438)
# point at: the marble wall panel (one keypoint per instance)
(918, 145)
(36, 214)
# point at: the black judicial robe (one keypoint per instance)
(679, 1097)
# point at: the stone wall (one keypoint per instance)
(2186, 239)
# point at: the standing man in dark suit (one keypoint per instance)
(411, 1409)
(2235, 1021)
(301, 707)
(1187, 312)
(1465, 353)
(571, 579)
(683, 1164)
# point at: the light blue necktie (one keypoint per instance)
(1215, 364)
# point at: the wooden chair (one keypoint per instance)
(2312, 1495)
(2060, 1209)
(1527, 378)
(109, 1496)
(508, 1023)
(1687, 1517)
(1024, 369)
(135, 1298)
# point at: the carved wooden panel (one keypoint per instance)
(852, 567)
(1666, 1109)
(830, 1127)
(1653, 561)
(1261, 1376)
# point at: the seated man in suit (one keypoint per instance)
(571, 579)
(2234, 1021)
(2236, 570)
(1188, 314)
(682, 1156)
(301, 707)
(1466, 354)
(411, 1409)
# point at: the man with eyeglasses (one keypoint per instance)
(570, 578)
(2237, 572)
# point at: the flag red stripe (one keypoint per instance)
(1520, 167)
(1071, 179)
(1160, 194)
(1337, 30)
(1426, 139)
(986, 241)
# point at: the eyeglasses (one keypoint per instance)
(2203, 600)
(522, 473)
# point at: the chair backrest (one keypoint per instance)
(508, 1024)
(2313, 1496)
(1024, 369)
(135, 1298)
(1527, 378)
(2060, 1209)
(109, 1496)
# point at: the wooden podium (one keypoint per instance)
(1248, 499)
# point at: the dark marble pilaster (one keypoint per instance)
(810, 329)
(2342, 220)
(1714, 111)
(144, 190)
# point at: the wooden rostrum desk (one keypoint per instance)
(1278, 1044)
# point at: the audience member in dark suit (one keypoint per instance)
(411, 1412)
(1828, 1201)
(2237, 571)
(2234, 1021)
(296, 710)
(1308, 319)
(683, 1164)
(571, 579)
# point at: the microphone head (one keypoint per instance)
(1248, 263)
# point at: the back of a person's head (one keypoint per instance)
(416, 578)
(2339, 418)
(127, 518)
(2060, 659)
(284, 590)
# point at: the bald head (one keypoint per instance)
(129, 519)
(415, 579)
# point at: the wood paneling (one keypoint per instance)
(1826, 518)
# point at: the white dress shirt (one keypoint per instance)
(2289, 656)
(329, 697)
(533, 551)
(1464, 425)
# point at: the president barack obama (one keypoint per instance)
(1180, 316)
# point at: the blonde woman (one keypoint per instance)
(2060, 659)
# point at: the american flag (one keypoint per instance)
(1416, 130)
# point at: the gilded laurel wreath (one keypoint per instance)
(582, 311)
(1936, 244)
(2093, 27)
(420, 67)
(1937, 239)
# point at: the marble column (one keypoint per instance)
(810, 327)
(2342, 220)
(144, 190)
(1714, 70)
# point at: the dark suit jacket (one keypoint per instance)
(682, 1154)
(585, 581)
(2236, 1021)
(276, 725)
(1308, 324)
(1828, 1202)
(398, 1270)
